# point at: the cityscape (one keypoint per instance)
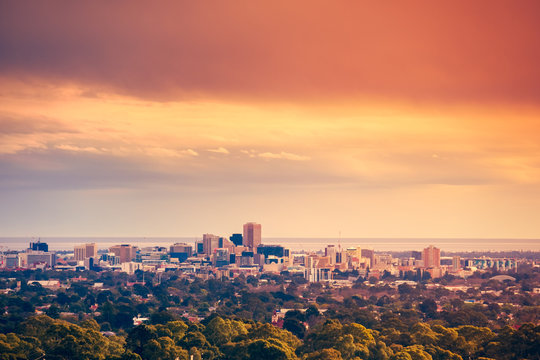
(244, 254)
(269, 180)
(184, 295)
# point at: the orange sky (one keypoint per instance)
(373, 119)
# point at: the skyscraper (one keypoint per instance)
(91, 250)
(85, 251)
(431, 256)
(456, 263)
(330, 251)
(236, 239)
(39, 246)
(370, 254)
(210, 243)
(252, 235)
(79, 252)
(125, 252)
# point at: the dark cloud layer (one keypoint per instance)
(17, 125)
(434, 51)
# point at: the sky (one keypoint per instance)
(365, 119)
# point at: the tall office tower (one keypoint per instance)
(370, 254)
(252, 235)
(210, 243)
(91, 250)
(79, 252)
(124, 252)
(271, 250)
(330, 251)
(456, 263)
(236, 239)
(39, 246)
(199, 247)
(431, 256)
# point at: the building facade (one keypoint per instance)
(124, 252)
(210, 243)
(431, 256)
(252, 235)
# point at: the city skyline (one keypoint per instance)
(370, 120)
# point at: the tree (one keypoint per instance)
(13, 347)
(53, 311)
(428, 307)
(139, 336)
(325, 354)
(270, 349)
(295, 326)
(163, 348)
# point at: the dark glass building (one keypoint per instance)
(39, 246)
(275, 250)
(236, 239)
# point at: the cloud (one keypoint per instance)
(283, 155)
(72, 148)
(166, 152)
(278, 50)
(26, 132)
(219, 150)
(190, 152)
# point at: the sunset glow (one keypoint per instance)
(376, 120)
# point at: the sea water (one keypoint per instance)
(293, 243)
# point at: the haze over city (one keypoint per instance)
(369, 119)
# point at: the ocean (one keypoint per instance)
(295, 244)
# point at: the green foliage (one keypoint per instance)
(351, 340)
(414, 352)
(163, 348)
(267, 331)
(13, 347)
(511, 344)
(62, 340)
(371, 323)
(220, 331)
(270, 349)
(324, 354)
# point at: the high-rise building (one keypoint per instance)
(181, 248)
(210, 243)
(39, 246)
(236, 239)
(271, 250)
(180, 251)
(124, 252)
(252, 235)
(91, 250)
(41, 257)
(456, 263)
(81, 252)
(330, 252)
(111, 258)
(431, 256)
(369, 254)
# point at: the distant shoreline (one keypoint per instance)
(293, 243)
